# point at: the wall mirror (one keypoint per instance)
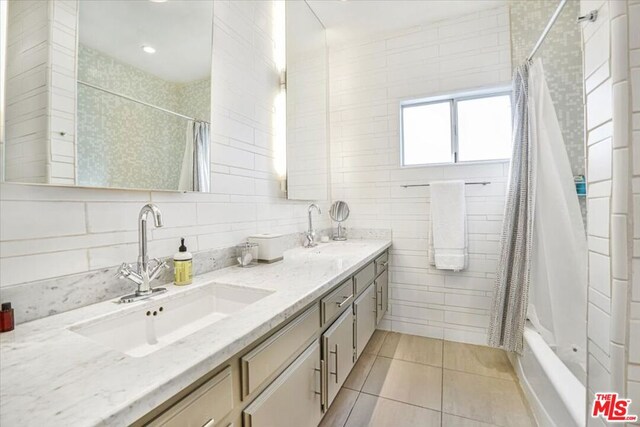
(109, 94)
(306, 85)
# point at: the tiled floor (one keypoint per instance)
(404, 380)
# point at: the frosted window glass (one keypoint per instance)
(484, 128)
(427, 134)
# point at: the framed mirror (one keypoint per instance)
(306, 85)
(109, 94)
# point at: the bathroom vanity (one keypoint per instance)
(280, 343)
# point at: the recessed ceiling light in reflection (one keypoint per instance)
(158, 1)
(148, 49)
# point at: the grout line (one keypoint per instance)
(400, 401)
(442, 386)
(351, 410)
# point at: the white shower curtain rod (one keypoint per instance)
(146, 104)
(546, 30)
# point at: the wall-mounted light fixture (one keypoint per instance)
(280, 101)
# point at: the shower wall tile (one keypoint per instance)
(599, 160)
(619, 302)
(598, 329)
(600, 273)
(598, 217)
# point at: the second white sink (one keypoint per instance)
(158, 323)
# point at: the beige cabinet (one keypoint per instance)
(293, 399)
(382, 295)
(365, 311)
(205, 406)
(337, 300)
(337, 353)
(364, 277)
(261, 362)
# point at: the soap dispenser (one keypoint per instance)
(183, 265)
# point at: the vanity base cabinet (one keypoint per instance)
(205, 406)
(293, 399)
(337, 354)
(382, 295)
(365, 311)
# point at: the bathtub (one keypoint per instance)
(556, 396)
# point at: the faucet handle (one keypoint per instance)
(124, 271)
(158, 267)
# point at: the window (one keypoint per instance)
(455, 129)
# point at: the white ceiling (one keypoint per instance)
(355, 19)
(179, 30)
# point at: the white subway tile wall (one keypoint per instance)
(55, 231)
(368, 81)
(611, 58)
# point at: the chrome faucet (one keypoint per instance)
(142, 276)
(310, 235)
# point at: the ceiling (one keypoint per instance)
(180, 31)
(356, 19)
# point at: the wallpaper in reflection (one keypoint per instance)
(125, 144)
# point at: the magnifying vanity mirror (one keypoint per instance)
(339, 212)
(109, 94)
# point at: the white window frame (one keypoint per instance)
(453, 100)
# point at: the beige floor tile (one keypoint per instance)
(449, 420)
(359, 373)
(407, 382)
(491, 400)
(412, 348)
(374, 411)
(340, 409)
(477, 359)
(374, 344)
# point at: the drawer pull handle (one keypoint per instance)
(380, 299)
(336, 372)
(209, 423)
(344, 300)
(384, 264)
(319, 393)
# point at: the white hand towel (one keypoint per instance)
(448, 236)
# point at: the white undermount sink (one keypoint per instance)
(157, 323)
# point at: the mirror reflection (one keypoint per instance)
(307, 145)
(128, 104)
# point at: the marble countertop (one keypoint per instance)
(52, 376)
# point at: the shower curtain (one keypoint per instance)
(195, 172)
(542, 267)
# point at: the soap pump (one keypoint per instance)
(183, 265)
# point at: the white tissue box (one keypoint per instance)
(271, 246)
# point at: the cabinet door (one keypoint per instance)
(366, 320)
(382, 295)
(293, 399)
(338, 354)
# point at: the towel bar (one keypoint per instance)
(426, 185)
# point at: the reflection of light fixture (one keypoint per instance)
(148, 49)
(158, 1)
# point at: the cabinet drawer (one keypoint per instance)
(206, 405)
(363, 277)
(293, 399)
(333, 303)
(382, 262)
(261, 362)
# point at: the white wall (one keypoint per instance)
(368, 80)
(612, 79)
(55, 231)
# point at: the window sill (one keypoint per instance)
(479, 162)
